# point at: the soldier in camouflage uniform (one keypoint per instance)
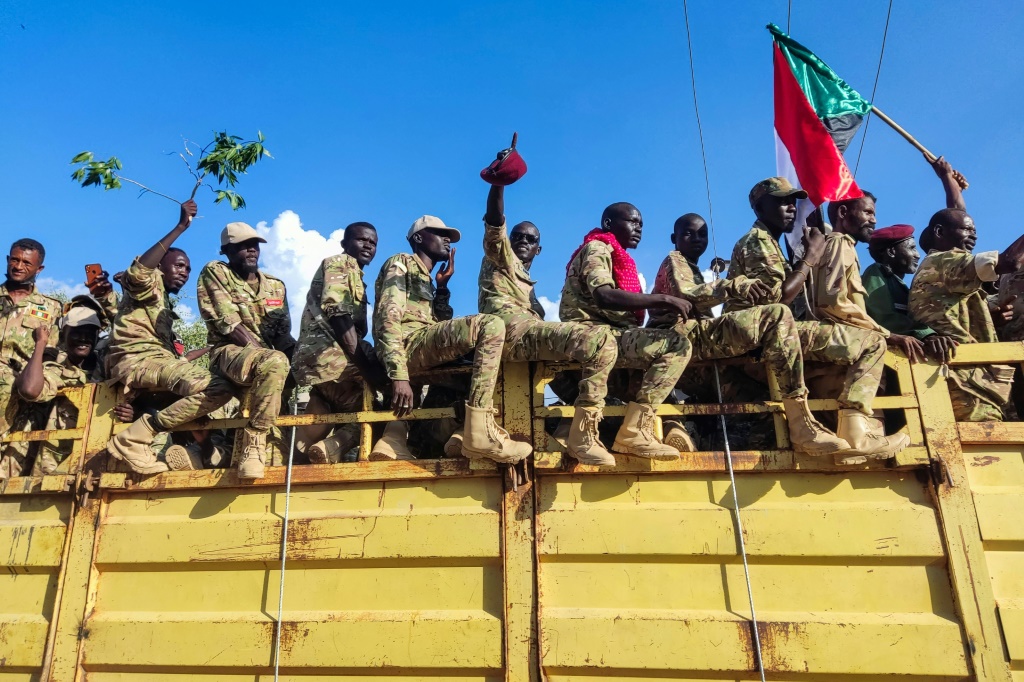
(757, 255)
(596, 292)
(246, 314)
(769, 327)
(946, 295)
(332, 356)
(507, 291)
(23, 309)
(408, 337)
(142, 354)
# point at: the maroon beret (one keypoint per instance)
(893, 233)
(507, 168)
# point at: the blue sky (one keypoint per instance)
(386, 111)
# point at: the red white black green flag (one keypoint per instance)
(816, 116)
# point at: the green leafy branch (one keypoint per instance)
(223, 160)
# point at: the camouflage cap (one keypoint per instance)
(777, 187)
(80, 317)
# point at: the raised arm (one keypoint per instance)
(151, 258)
(954, 195)
(29, 383)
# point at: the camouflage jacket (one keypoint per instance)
(337, 289)
(590, 269)
(226, 301)
(506, 289)
(19, 320)
(144, 322)
(406, 301)
(837, 292)
(758, 256)
(946, 294)
(680, 278)
(59, 374)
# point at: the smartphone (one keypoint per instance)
(92, 273)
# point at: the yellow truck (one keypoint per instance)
(451, 569)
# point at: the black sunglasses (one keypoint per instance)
(524, 237)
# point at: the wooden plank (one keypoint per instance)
(982, 433)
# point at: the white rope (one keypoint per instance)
(284, 545)
(718, 383)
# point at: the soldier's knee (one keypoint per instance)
(777, 312)
(274, 363)
(490, 326)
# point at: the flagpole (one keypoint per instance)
(961, 180)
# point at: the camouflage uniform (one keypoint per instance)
(758, 256)
(946, 295)
(769, 327)
(408, 338)
(226, 301)
(506, 290)
(142, 355)
(63, 414)
(18, 321)
(662, 353)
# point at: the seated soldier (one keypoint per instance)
(769, 327)
(602, 288)
(75, 364)
(946, 295)
(23, 309)
(143, 356)
(507, 291)
(332, 356)
(757, 255)
(247, 321)
(409, 338)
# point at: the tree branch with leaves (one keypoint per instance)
(222, 161)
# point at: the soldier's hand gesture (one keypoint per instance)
(401, 398)
(446, 271)
(814, 246)
(41, 335)
(188, 212)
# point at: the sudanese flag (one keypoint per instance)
(816, 116)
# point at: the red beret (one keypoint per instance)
(507, 168)
(893, 233)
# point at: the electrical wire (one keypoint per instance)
(284, 545)
(874, 88)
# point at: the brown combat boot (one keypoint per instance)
(584, 442)
(254, 448)
(132, 446)
(678, 437)
(483, 438)
(393, 445)
(866, 439)
(636, 435)
(330, 449)
(806, 434)
(187, 458)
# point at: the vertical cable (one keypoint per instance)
(294, 404)
(878, 72)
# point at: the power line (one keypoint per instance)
(878, 72)
(789, 14)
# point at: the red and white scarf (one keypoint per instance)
(623, 265)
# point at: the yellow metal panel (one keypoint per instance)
(1011, 615)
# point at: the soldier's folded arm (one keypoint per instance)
(220, 312)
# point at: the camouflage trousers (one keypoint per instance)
(263, 371)
(861, 351)
(768, 327)
(201, 391)
(340, 392)
(444, 342)
(8, 401)
(16, 415)
(663, 355)
(594, 347)
(979, 393)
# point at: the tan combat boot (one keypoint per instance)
(393, 445)
(453, 448)
(584, 441)
(865, 438)
(559, 440)
(806, 434)
(483, 438)
(636, 435)
(254, 448)
(330, 449)
(678, 437)
(187, 458)
(132, 446)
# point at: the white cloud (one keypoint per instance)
(50, 285)
(550, 308)
(293, 254)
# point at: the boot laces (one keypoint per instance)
(253, 446)
(645, 426)
(589, 426)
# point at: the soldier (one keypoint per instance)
(408, 338)
(769, 327)
(246, 315)
(23, 309)
(143, 356)
(757, 255)
(507, 291)
(332, 356)
(946, 295)
(602, 288)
